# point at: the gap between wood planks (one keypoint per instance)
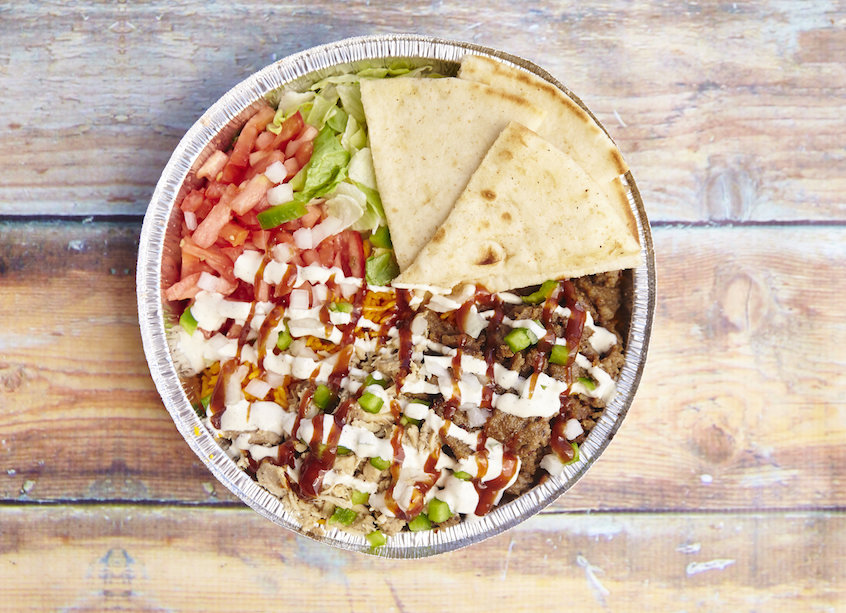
(133, 219)
(118, 503)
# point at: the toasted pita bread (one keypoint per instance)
(566, 125)
(427, 136)
(529, 213)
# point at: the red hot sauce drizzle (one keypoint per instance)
(321, 456)
(573, 335)
(489, 490)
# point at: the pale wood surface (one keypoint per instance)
(226, 559)
(730, 115)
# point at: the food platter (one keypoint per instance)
(158, 268)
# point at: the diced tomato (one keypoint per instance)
(191, 264)
(351, 250)
(214, 190)
(327, 250)
(303, 154)
(184, 288)
(262, 164)
(207, 232)
(310, 256)
(260, 238)
(232, 174)
(292, 166)
(264, 141)
(310, 219)
(249, 220)
(192, 200)
(291, 127)
(251, 194)
(257, 156)
(234, 234)
(247, 137)
(212, 255)
(213, 165)
(232, 252)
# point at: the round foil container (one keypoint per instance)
(158, 268)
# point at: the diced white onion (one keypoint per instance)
(328, 227)
(280, 194)
(190, 220)
(573, 429)
(299, 299)
(476, 416)
(207, 282)
(320, 293)
(303, 238)
(282, 252)
(257, 388)
(276, 172)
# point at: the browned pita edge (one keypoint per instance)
(469, 247)
(613, 185)
(420, 168)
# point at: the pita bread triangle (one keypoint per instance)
(529, 213)
(427, 136)
(566, 125)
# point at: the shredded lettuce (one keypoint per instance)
(341, 164)
(326, 168)
(347, 204)
(361, 168)
(350, 94)
(289, 103)
(354, 136)
(323, 106)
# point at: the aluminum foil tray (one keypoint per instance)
(159, 256)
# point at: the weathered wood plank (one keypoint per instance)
(740, 407)
(726, 111)
(131, 558)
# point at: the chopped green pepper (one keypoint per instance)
(343, 516)
(428, 403)
(279, 214)
(380, 463)
(376, 539)
(187, 321)
(343, 450)
(322, 396)
(371, 403)
(421, 522)
(359, 497)
(406, 421)
(559, 354)
(520, 338)
(575, 454)
(460, 474)
(284, 340)
(439, 511)
(206, 400)
(381, 238)
(587, 382)
(370, 380)
(380, 269)
(541, 294)
(341, 307)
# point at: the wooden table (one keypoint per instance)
(724, 490)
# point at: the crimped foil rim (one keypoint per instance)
(198, 143)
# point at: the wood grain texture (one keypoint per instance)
(739, 407)
(725, 111)
(103, 558)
